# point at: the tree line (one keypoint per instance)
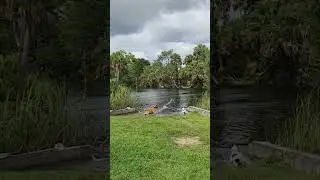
(267, 41)
(168, 70)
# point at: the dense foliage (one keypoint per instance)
(268, 41)
(53, 37)
(169, 70)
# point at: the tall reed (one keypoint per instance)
(302, 132)
(39, 119)
(121, 97)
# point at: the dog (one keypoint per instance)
(237, 158)
(151, 109)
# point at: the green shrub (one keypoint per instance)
(121, 97)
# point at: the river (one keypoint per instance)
(241, 115)
(181, 97)
(248, 114)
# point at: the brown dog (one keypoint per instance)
(151, 109)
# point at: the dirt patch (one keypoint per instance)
(187, 141)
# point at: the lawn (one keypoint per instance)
(260, 171)
(145, 148)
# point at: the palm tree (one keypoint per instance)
(117, 62)
(25, 16)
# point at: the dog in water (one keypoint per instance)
(151, 109)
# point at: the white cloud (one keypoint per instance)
(178, 30)
(139, 54)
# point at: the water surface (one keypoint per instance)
(246, 114)
(182, 97)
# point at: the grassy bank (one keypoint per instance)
(144, 148)
(302, 131)
(40, 119)
(261, 171)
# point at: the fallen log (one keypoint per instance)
(299, 160)
(203, 112)
(123, 111)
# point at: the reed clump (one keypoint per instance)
(121, 97)
(39, 118)
(302, 132)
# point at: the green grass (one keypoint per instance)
(302, 131)
(53, 175)
(142, 147)
(260, 171)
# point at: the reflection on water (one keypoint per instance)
(182, 97)
(245, 114)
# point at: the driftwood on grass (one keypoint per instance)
(299, 160)
(203, 112)
(123, 111)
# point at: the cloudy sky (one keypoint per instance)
(147, 27)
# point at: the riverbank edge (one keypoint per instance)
(307, 162)
(129, 110)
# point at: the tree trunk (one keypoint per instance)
(17, 35)
(136, 83)
(118, 73)
(177, 78)
(221, 68)
(23, 71)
